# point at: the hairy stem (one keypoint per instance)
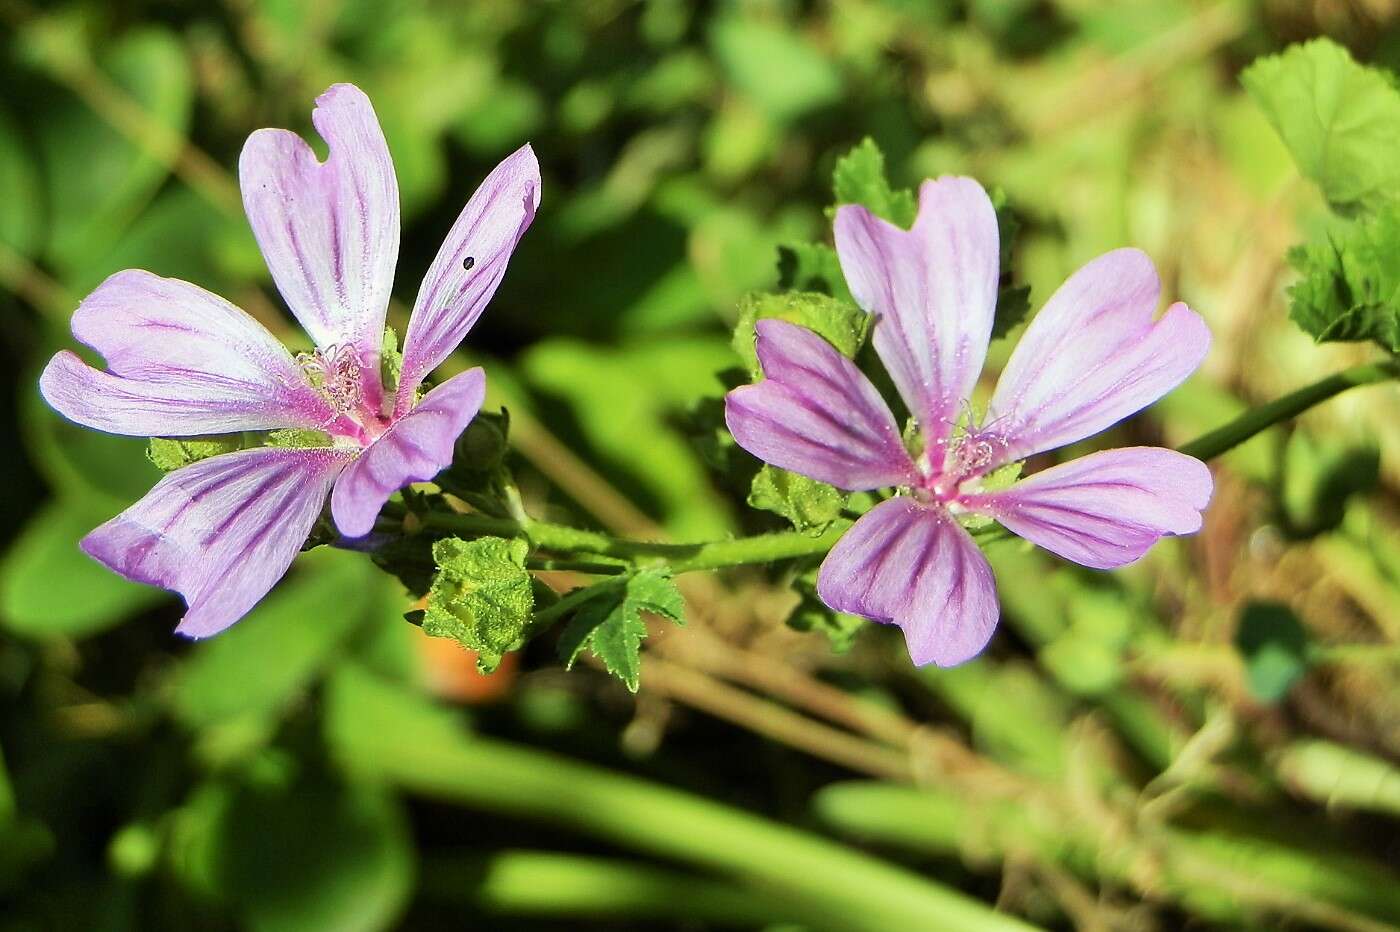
(1257, 420)
(770, 548)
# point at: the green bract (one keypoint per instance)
(481, 596)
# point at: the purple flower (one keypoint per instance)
(183, 362)
(1094, 355)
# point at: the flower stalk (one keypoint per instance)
(787, 545)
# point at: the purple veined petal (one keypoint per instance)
(469, 267)
(415, 448)
(933, 291)
(180, 361)
(816, 414)
(914, 566)
(221, 531)
(1093, 356)
(329, 231)
(1106, 509)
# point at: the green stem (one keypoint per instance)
(769, 548)
(1257, 420)
(383, 731)
(549, 884)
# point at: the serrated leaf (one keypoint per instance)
(1340, 119)
(611, 625)
(1349, 288)
(481, 596)
(839, 322)
(810, 505)
(859, 178)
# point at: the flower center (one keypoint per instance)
(968, 457)
(335, 373)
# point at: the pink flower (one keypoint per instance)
(183, 362)
(1092, 357)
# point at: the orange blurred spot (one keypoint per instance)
(450, 670)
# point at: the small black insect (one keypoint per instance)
(467, 263)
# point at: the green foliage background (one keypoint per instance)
(1208, 737)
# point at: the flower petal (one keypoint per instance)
(1093, 356)
(414, 449)
(815, 413)
(1106, 509)
(469, 266)
(180, 361)
(933, 290)
(914, 566)
(221, 531)
(328, 230)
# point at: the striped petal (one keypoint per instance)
(933, 291)
(221, 532)
(415, 448)
(469, 267)
(816, 414)
(1106, 509)
(914, 566)
(329, 230)
(180, 361)
(1093, 356)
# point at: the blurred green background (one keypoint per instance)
(1204, 740)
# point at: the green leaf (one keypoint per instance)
(264, 662)
(812, 267)
(317, 856)
(390, 361)
(1274, 645)
(810, 505)
(98, 178)
(85, 464)
(839, 322)
(50, 587)
(1319, 481)
(776, 68)
(21, 221)
(168, 454)
(610, 624)
(859, 178)
(298, 438)
(811, 614)
(1341, 121)
(481, 596)
(1349, 288)
(1013, 301)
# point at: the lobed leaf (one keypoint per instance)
(1340, 119)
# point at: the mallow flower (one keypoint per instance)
(183, 362)
(1095, 354)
